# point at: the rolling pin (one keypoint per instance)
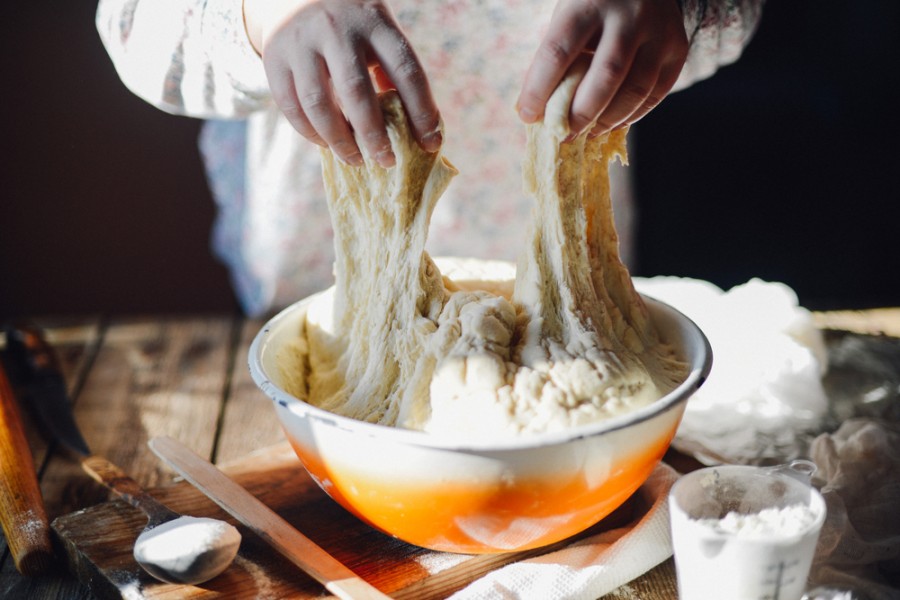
(22, 511)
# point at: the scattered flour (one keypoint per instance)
(624, 592)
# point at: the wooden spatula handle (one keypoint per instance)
(263, 521)
(22, 511)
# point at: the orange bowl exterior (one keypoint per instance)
(529, 512)
(482, 497)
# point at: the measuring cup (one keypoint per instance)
(745, 533)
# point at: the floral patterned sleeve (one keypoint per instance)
(189, 57)
(193, 57)
(718, 31)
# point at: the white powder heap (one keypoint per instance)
(788, 521)
(176, 545)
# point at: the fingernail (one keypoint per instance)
(386, 158)
(431, 141)
(600, 129)
(528, 115)
(577, 127)
(354, 160)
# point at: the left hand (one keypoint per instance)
(639, 48)
(326, 61)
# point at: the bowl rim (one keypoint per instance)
(304, 410)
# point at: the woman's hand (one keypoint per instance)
(324, 61)
(639, 48)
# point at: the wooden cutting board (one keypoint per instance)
(98, 542)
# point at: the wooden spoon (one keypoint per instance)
(242, 505)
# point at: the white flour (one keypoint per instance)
(188, 546)
(783, 522)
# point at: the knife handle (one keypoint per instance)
(22, 511)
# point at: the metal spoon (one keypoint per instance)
(173, 548)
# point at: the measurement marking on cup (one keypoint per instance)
(781, 578)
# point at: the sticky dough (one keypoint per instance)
(396, 343)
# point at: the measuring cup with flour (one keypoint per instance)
(745, 533)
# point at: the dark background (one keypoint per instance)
(784, 166)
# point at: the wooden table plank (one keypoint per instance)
(150, 377)
(249, 422)
(879, 321)
(187, 378)
(157, 376)
(76, 342)
(56, 585)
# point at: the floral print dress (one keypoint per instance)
(273, 230)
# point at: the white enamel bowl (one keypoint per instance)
(479, 497)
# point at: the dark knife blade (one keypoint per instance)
(34, 368)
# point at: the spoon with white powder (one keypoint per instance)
(173, 548)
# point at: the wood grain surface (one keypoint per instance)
(264, 522)
(22, 513)
(186, 377)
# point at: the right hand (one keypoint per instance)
(637, 50)
(327, 60)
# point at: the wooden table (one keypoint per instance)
(133, 379)
(186, 377)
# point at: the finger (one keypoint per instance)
(402, 68)
(355, 92)
(568, 34)
(317, 100)
(610, 68)
(667, 78)
(632, 93)
(284, 94)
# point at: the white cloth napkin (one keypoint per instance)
(594, 566)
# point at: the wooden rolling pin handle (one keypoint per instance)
(22, 512)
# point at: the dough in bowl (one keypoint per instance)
(396, 342)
